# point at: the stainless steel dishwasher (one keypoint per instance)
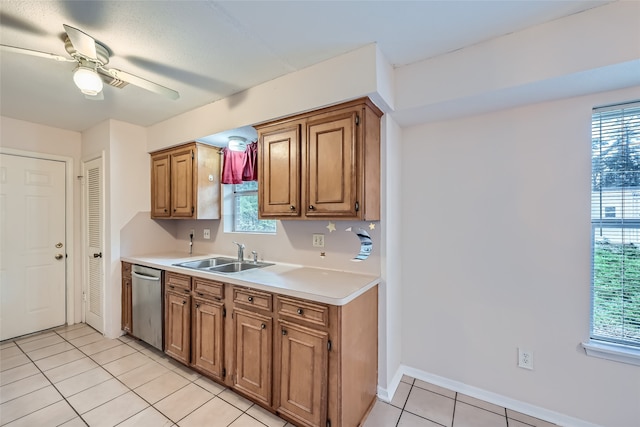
(147, 305)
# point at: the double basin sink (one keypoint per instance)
(222, 265)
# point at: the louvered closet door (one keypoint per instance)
(94, 265)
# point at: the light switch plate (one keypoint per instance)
(207, 233)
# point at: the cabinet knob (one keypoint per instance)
(250, 299)
(165, 211)
(184, 302)
(263, 326)
(300, 311)
(174, 209)
(197, 305)
(292, 208)
(284, 332)
(186, 291)
(311, 207)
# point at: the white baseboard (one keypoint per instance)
(535, 411)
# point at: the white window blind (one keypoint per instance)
(615, 224)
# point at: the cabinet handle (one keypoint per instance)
(284, 332)
(311, 207)
(263, 326)
(250, 299)
(200, 294)
(300, 311)
(292, 208)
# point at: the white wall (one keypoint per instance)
(35, 138)
(496, 255)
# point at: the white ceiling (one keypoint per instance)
(208, 50)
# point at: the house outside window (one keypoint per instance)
(615, 228)
(245, 210)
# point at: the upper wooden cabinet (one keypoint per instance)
(323, 164)
(185, 182)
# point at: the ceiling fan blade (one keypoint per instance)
(143, 83)
(84, 44)
(24, 51)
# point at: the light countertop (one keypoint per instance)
(315, 284)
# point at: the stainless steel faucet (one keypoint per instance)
(240, 251)
(255, 256)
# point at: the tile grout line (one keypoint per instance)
(51, 384)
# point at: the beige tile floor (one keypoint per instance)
(73, 376)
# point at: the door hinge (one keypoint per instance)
(329, 345)
(357, 120)
(357, 206)
(328, 423)
(84, 296)
(224, 372)
(192, 210)
(192, 156)
(224, 312)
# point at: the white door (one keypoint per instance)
(32, 245)
(93, 246)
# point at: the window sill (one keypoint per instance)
(615, 352)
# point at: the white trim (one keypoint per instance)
(487, 396)
(69, 180)
(610, 351)
(386, 394)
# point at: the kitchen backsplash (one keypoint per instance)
(292, 242)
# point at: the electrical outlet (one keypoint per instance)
(207, 233)
(525, 359)
(318, 240)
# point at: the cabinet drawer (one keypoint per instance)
(208, 288)
(126, 269)
(251, 298)
(304, 310)
(178, 282)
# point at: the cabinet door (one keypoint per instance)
(207, 345)
(182, 203)
(279, 169)
(331, 166)
(127, 313)
(160, 186)
(253, 346)
(303, 374)
(177, 312)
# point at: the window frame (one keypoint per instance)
(235, 194)
(610, 347)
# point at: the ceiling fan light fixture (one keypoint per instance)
(87, 80)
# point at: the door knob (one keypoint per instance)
(59, 256)
(98, 255)
(59, 245)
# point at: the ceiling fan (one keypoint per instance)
(91, 71)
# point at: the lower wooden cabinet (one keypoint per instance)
(303, 359)
(252, 355)
(208, 337)
(127, 309)
(313, 364)
(177, 317)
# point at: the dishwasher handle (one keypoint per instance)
(145, 277)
